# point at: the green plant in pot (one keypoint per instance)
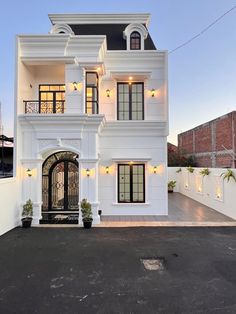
(27, 214)
(87, 215)
(228, 175)
(171, 186)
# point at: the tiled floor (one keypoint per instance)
(181, 209)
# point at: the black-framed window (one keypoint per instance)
(51, 98)
(130, 101)
(135, 41)
(92, 93)
(131, 183)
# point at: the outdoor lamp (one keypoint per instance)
(87, 172)
(75, 85)
(107, 169)
(29, 172)
(108, 92)
(153, 92)
(155, 169)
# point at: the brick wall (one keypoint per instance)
(206, 142)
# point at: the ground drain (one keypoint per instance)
(154, 263)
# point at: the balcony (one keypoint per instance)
(44, 107)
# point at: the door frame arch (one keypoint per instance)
(48, 176)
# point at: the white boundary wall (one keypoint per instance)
(9, 209)
(210, 190)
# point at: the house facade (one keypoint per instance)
(92, 118)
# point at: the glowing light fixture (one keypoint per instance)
(107, 169)
(88, 172)
(155, 169)
(108, 92)
(75, 85)
(153, 92)
(29, 172)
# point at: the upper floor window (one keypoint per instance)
(51, 98)
(91, 93)
(135, 41)
(130, 97)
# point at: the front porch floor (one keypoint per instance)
(183, 211)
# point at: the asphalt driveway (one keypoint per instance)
(72, 270)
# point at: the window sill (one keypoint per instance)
(131, 204)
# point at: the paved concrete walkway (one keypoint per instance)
(101, 271)
(183, 211)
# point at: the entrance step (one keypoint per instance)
(60, 218)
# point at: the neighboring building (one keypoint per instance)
(6, 156)
(92, 118)
(213, 144)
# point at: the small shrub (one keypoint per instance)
(86, 210)
(171, 184)
(179, 170)
(190, 169)
(229, 174)
(27, 209)
(205, 172)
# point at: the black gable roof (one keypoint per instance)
(113, 32)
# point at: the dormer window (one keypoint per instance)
(135, 35)
(135, 41)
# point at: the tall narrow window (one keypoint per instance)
(130, 101)
(131, 183)
(135, 41)
(92, 93)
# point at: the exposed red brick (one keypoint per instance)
(203, 139)
(207, 141)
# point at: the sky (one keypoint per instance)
(202, 75)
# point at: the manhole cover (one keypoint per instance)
(157, 263)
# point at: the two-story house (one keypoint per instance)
(92, 118)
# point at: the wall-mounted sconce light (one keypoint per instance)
(98, 69)
(153, 92)
(107, 169)
(155, 169)
(108, 92)
(87, 172)
(75, 85)
(29, 172)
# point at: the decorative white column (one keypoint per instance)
(74, 78)
(32, 186)
(89, 186)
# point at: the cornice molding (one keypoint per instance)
(142, 18)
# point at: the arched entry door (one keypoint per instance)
(60, 186)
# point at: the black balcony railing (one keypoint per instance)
(35, 106)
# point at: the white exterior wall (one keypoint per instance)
(210, 190)
(141, 149)
(9, 209)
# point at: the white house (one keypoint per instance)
(92, 118)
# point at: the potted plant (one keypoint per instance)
(205, 172)
(171, 186)
(87, 215)
(27, 214)
(229, 174)
(190, 169)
